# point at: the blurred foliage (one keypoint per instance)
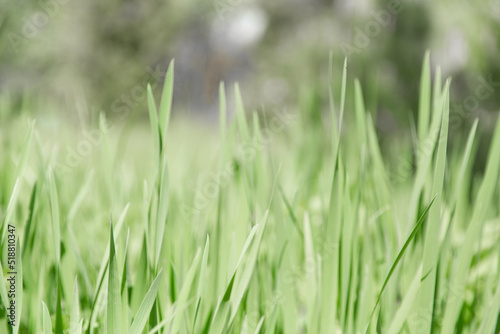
(75, 52)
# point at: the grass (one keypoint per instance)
(296, 222)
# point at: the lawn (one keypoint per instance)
(293, 220)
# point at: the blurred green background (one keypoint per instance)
(85, 57)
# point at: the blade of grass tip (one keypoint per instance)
(166, 101)
(201, 281)
(161, 219)
(47, 323)
(430, 256)
(425, 99)
(436, 92)
(54, 209)
(187, 286)
(105, 259)
(153, 120)
(259, 325)
(398, 258)
(342, 95)
(79, 329)
(74, 319)
(466, 252)
(114, 308)
(144, 310)
(359, 107)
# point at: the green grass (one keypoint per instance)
(296, 222)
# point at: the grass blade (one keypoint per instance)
(144, 311)
(114, 307)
